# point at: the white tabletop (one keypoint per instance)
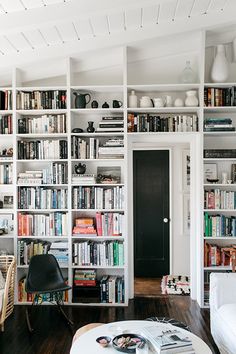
(86, 343)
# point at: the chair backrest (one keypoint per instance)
(43, 269)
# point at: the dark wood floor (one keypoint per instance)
(53, 337)
(147, 287)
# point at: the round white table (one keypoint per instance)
(86, 343)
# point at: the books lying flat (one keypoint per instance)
(168, 341)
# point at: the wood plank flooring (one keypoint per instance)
(147, 287)
(52, 336)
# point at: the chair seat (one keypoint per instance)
(49, 289)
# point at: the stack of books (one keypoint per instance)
(30, 177)
(168, 341)
(83, 179)
(60, 252)
(6, 124)
(111, 149)
(220, 153)
(84, 227)
(218, 125)
(84, 277)
(111, 124)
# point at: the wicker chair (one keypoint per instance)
(7, 267)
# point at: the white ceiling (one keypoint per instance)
(39, 29)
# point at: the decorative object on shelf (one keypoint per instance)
(229, 181)
(146, 102)
(169, 101)
(224, 177)
(212, 180)
(188, 76)
(191, 99)
(94, 104)
(117, 104)
(210, 172)
(111, 175)
(105, 105)
(1, 204)
(220, 67)
(159, 102)
(133, 100)
(77, 130)
(90, 128)
(179, 102)
(80, 169)
(80, 99)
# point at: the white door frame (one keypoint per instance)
(157, 142)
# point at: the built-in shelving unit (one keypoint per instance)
(149, 73)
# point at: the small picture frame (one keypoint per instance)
(6, 224)
(186, 170)
(210, 171)
(6, 201)
(186, 215)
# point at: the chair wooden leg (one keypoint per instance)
(2, 327)
(27, 316)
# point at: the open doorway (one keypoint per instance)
(161, 224)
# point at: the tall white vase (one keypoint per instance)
(220, 67)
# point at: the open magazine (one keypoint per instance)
(168, 341)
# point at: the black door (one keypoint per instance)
(151, 212)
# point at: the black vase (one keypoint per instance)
(90, 128)
(80, 169)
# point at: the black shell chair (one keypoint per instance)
(171, 321)
(46, 283)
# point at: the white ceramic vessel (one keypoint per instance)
(146, 102)
(191, 99)
(220, 67)
(133, 100)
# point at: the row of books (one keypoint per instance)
(218, 125)
(219, 225)
(149, 123)
(6, 124)
(29, 248)
(6, 100)
(219, 199)
(23, 296)
(6, 173)
(107, 224)
(41, 99)
(102, 253)
(42, 149)
(42, 125)
(98, 198)
(215, 256)
(90, 148)
(42, 198)
(112, 289)
(56, 173)
(219, 97)
(220, 153)
(51, 224)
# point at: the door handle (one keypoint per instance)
(165, 220)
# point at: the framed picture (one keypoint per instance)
(6, 201)
(210, 171)
(186, 214)
(186, 169)
(106, 174)
(6, 224)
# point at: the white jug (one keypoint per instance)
(146, 102)
(159, 102)
(191, 99)
(133, 100)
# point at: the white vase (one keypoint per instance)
(220, 67)
(191, 99)
(133, 100)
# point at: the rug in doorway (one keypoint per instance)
(175, 285)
